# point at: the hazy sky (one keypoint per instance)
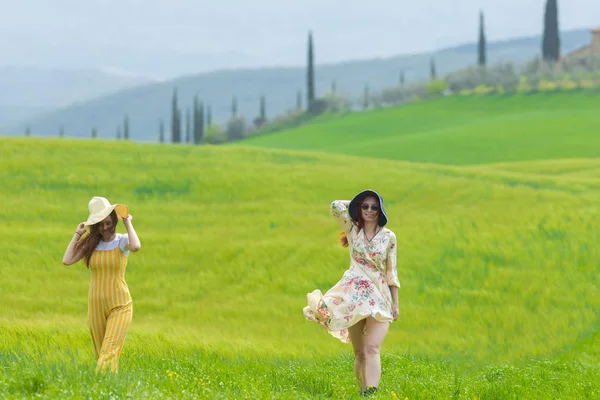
(259, 32)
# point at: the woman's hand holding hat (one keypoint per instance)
(80, 230)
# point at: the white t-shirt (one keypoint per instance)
(120, 240)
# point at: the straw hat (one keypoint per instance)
(101, 208)
(354, 207)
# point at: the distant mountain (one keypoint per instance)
(10, 115)
(147, 104)
(29, 91)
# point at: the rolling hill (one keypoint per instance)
(147, 105)
(459, 130)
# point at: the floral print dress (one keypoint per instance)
(364, 289)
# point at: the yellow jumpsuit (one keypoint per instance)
(109, 302)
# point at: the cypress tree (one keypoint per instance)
(118, 133)
(299, 100)
(61, 131)
(179, 127)
(195, 119)
(200, 122)
(94, 133)
(188, 125)
(432, 69)
(208, 116)
(263, 112)
(234, 107)
(402, 78)
(310, 73)
(175, 120)
(161, 132)
(482, 53)
(551, 37)
(27, 131)
(333, 86)
(126, 127)
(366, 97)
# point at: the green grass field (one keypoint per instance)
(459, 130)
(498, 263)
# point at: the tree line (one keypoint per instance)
(195, 125)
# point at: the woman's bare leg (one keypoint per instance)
(376, 332)
(357, 338)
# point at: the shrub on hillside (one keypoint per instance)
(484, 89)
(237, 128)
(436, 87)
(290, 119)
(401, 94)
(259, 122)
(214, 135)
(547, 85)
(503, 78)
(573, 69)
(492, 76)
(336, 103)
(318, 106)
(524, 86)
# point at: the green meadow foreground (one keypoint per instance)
(498, 265)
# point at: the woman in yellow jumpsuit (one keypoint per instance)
(105, 253)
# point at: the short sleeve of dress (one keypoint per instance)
(340, 213)
(123, 241)
(391, 273)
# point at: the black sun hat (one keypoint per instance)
(354, 207)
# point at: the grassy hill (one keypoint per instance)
(498, 266)
(459, 130)
(147, 104)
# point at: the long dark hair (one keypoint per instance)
(359, 223)
(89, 241)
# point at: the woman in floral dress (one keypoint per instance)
(361, 306)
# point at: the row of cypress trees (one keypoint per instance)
(550, 35)
(199, 118)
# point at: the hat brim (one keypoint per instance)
(121, 210)
(353, 208)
